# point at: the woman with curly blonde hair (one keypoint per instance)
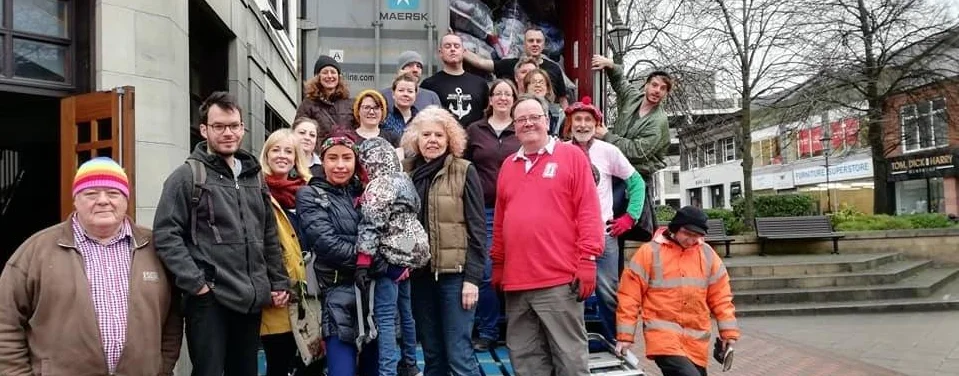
(452, 213)
(327, 99)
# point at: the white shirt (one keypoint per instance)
(548, 149)
(610, 161)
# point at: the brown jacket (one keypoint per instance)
(330, 116)
(47, 322)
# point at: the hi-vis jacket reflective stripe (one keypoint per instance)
(674, 292)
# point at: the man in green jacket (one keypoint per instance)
(641, 130)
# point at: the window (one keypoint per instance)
(282, 10)
(766, 152)
(923, 125)
(709, 154)
(692, 158)
(36, 41)
(730, 153)
(675, 178)
(273, 121)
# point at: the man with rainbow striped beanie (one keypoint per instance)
(92, 284)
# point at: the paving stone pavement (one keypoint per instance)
(763, 354)
(916, 344)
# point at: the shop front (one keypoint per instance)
(925, 181)
(848, 183)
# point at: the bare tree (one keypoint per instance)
(755, 47)
(876, 49)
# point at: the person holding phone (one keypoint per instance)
(675, 284)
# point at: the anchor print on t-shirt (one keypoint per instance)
(460, 104)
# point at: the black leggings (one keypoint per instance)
(678, 366)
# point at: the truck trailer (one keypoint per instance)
(367, 36)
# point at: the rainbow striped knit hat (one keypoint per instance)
(101, 172)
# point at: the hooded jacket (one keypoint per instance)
(390, 206)
(237, 251)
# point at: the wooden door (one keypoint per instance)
(92, 125)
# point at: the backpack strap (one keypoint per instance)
(199, 180)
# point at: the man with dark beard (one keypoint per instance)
(582, 120)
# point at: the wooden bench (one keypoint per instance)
(717, 233)
(796, 228)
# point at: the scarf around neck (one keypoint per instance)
(283, 189)
(422, 176)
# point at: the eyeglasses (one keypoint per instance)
(538, 83)
(370, 108)
(219, 128)
(528, 119)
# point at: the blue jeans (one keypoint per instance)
(487, 308)
(341, 358)
(444, 327)
(607, 282)
(407, 324)
(385, 297)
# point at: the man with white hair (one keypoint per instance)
(76, 296)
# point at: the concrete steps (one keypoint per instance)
(889, 273)
(820, 284)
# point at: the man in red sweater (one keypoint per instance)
(547, 234)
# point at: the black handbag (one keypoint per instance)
(646, 226)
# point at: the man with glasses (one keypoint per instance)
(214, 230)
(547, 234)
(463, 94)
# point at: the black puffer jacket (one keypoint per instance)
(328, 223)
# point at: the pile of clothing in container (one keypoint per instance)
(494, 28)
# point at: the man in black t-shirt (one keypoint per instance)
(463, 94)
(533, 42)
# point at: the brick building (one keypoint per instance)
(921, 132)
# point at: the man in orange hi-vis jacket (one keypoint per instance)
(673, 284)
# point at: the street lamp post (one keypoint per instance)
(826, 149)
(618, 35)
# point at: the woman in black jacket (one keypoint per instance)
(329, 219)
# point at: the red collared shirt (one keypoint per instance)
(107, 266)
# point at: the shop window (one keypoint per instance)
(923, 125)
(695, 197)
(36, 37)
(920, 196)
(717, 196)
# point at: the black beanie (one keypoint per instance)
(325, 61)
(690, 218)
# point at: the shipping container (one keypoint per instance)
(366, 36)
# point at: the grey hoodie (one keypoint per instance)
(390, 205)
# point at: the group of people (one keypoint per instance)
(376, 222)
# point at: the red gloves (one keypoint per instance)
(585, 278)
(497, 280)
(363, 260)
(620, 225)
